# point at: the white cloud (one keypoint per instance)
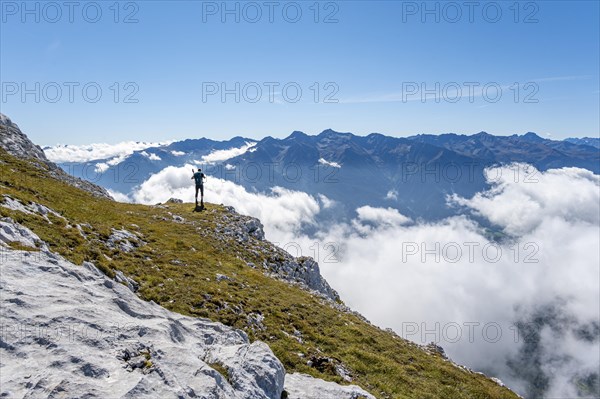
(435, 276)
(119, 197)
(392, 195)
(151, 156)
(97, 151)
(178, 153)
(104, 166)
(381, 216)
(322, 161)
(229, 167)
(408, 276)
(326, 202)
(101, 167)
(282, 210)
(449, 276)
(537, 197)
(223, 155)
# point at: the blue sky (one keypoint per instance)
(391, 67)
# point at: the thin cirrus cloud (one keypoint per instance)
(425, 95)
(53, 46)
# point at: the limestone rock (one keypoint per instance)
(302, 386)
(83, 333)
(70, 331)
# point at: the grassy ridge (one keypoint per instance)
(177, 268)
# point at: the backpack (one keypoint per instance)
(198, 178)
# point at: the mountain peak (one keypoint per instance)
(296, 134)
(484, 136)
(333, 133)
(5, 120)
(17, 144)
(531, 136)
(376, 136)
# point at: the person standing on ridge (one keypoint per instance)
(199, 178)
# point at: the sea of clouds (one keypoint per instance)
(97, 151)
(519, 301)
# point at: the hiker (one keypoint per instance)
(199, 178)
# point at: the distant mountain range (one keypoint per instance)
(591, 141)
(413, 174)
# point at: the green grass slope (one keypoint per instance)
(177, 269)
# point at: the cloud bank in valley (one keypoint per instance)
(519, 301)
(98, 151)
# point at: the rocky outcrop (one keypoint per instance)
(16, 143)
(231, 227)
(239, 227)
(302, 386)
(304, 270)
(11, 232)
(124, 240)
(31, 209)
(69, 330)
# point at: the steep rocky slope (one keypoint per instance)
(212, 265)
(16, 143)
(70, 330)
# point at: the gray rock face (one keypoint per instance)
(124, 240)
(255, 228)
(433, 348)
(121, 278)
(304, 269)
(69, 331)
(31, 209)
(14, 232)
(239, 227)
(248, 231)
(302, 386)
(16, 143)
(251, 359)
